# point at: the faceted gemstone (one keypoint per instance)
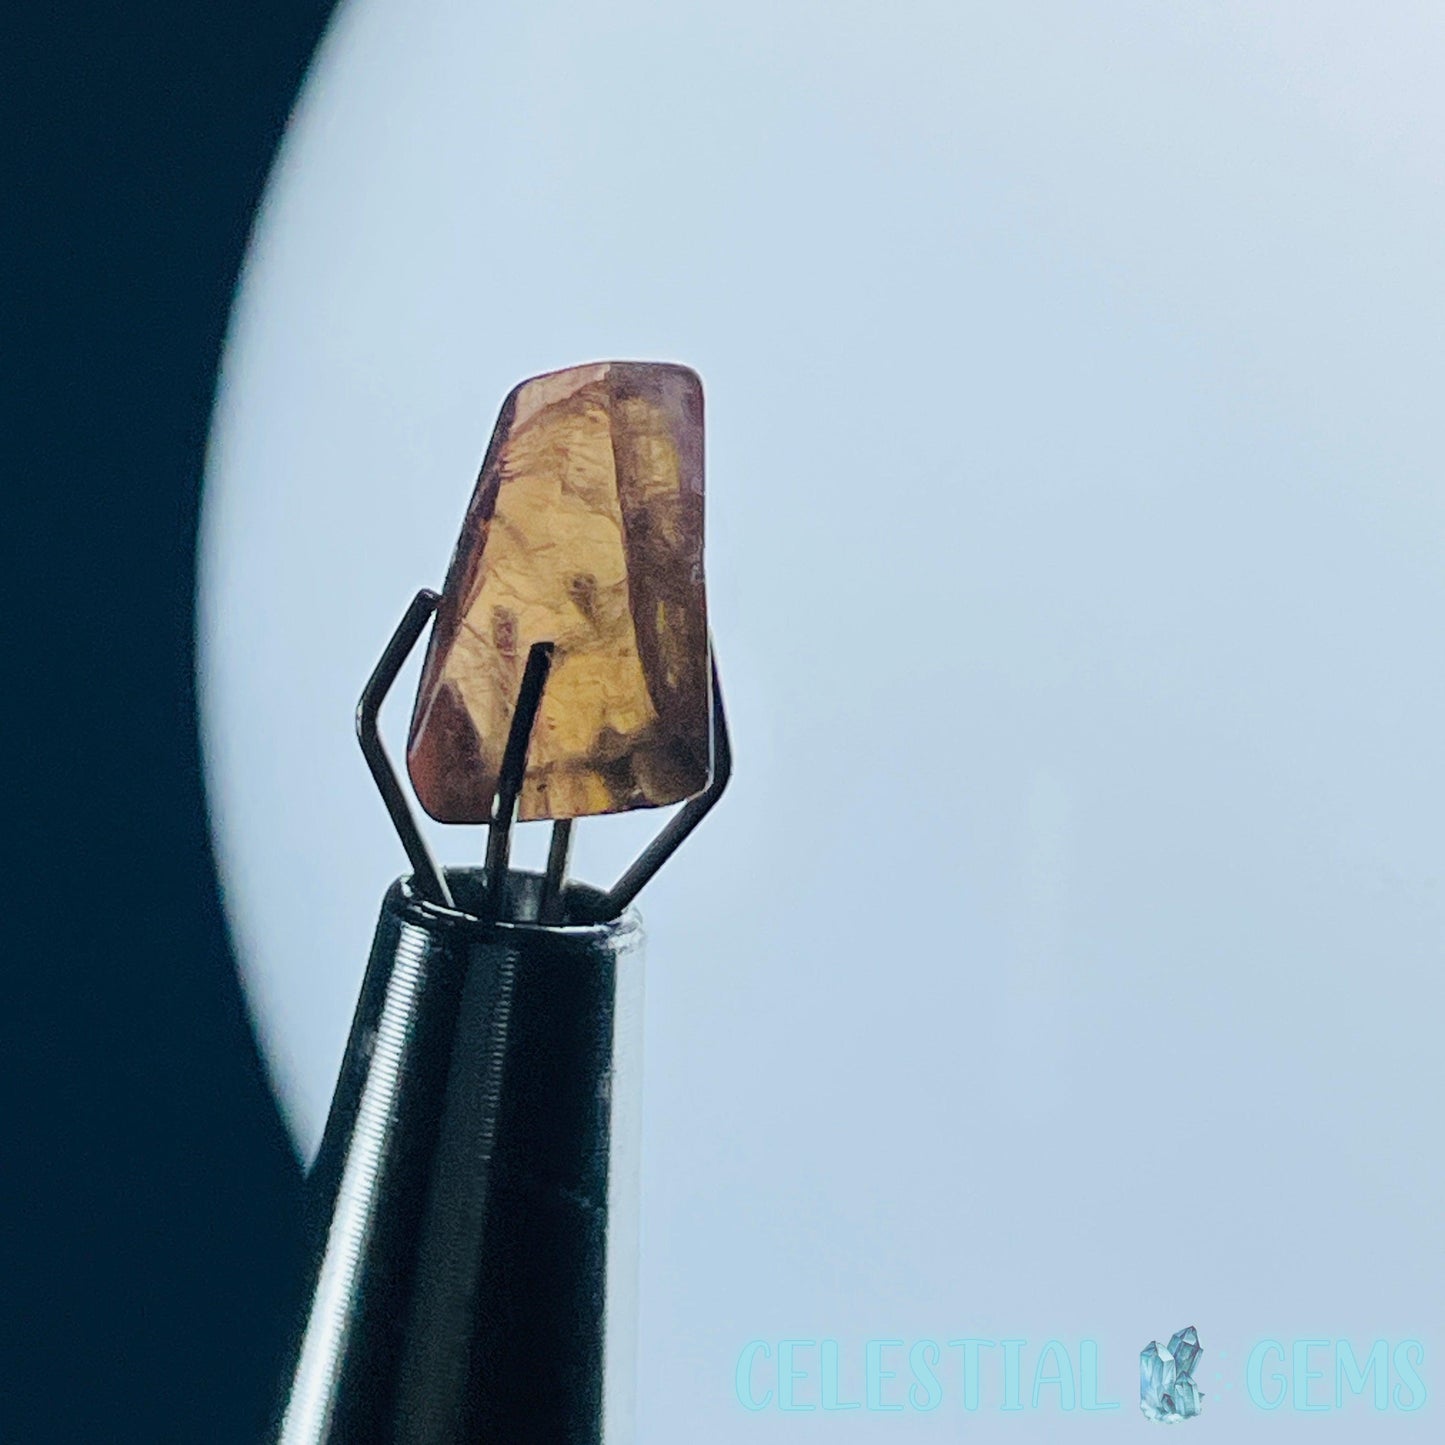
(1167, 1391)
(1188, 1397)
(585, 530)
(1184, 1346)
(1156, 1379)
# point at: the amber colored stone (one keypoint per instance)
(585, 530)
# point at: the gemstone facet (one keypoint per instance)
(1167, 1391)
(585, 530)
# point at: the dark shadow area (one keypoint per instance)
(152, 1217)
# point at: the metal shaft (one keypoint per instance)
(474, 1276)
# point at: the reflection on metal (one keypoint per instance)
(328, 1334)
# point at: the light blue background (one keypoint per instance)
(1066, 957)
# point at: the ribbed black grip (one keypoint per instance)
(476, 1186)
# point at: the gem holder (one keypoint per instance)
(473, 1275)
(429, 878)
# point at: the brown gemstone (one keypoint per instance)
(585, 530)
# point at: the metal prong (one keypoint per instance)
(514, 770)
(429, 880)
(684, 821)
(549, 905)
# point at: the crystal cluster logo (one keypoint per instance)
(1167, 1391)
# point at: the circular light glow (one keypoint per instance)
(1074, 548)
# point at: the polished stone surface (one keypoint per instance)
(585, 530)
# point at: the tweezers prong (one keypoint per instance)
(514, 770)
(559, 852)
(683, 821)
(427, 877)
(429, 880)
